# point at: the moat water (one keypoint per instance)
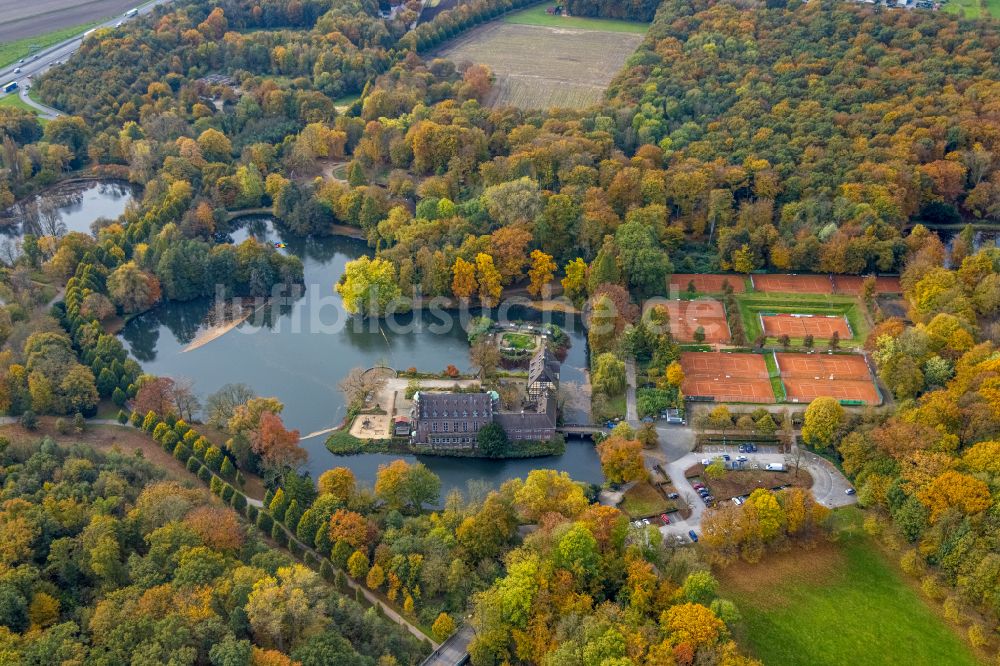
(300, 353)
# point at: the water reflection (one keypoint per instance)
(68, 207)
(301, 364)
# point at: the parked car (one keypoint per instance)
(645, 521)
(665, 518)
(737, 501)
(725, 456)
(706, 461)
(743, 448)
(752, 448)
(850, 491)
(698, 485)
(693, 535)
(741, 459)
(673, 496)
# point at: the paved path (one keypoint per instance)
(631, 411)
(453, 651)
(675, 455)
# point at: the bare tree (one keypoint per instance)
(485, 357)
(220, 405)
(359, 384)
(185, 399)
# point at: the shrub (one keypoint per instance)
(205, 474)
(239, 501)
(265, 522)
(213, 458)
(215, 485)
(240, 479)
(278, 534)
(227, 492)
(193, 465)
(181, 428)
(200, 447)
(150, 422)
(122, 416)
(295, 548)
(159, 431)
(182, 452)
(118, 397)
(252, 513)
(29, 421)
(190, 437)
(227, 470)
(136, 419)
(326, 571)
(62, 427)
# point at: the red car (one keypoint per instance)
(666, 518)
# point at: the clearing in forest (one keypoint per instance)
(538, 67)
(838, 603)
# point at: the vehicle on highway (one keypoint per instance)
(850, 491)
(693, 535)
(17, 70)
(665, 518)
(132, 12)
(10, 87)
(119, 24)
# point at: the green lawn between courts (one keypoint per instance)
(536, 16)
(751, 305)
(775, 376)
(840, 604)
(11, 52)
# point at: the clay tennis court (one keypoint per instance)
(799, 326)
(726, 377)
(840, 376)
(851, 285)
(687, 316)
(806, 390)
(707, 283)
(793, 284)
(811, 366)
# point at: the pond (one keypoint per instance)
(68, 207)
(300, 354)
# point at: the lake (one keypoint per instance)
(69, 207)
(300, 354)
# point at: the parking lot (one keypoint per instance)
(829, 485)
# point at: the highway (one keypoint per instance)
(41, 62)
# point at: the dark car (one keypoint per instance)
(725, 456)
(693, 535)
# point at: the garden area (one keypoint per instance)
(643, 500)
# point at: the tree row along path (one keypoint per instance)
(372, 598)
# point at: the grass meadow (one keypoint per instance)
(841, 603)
(537, 16)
